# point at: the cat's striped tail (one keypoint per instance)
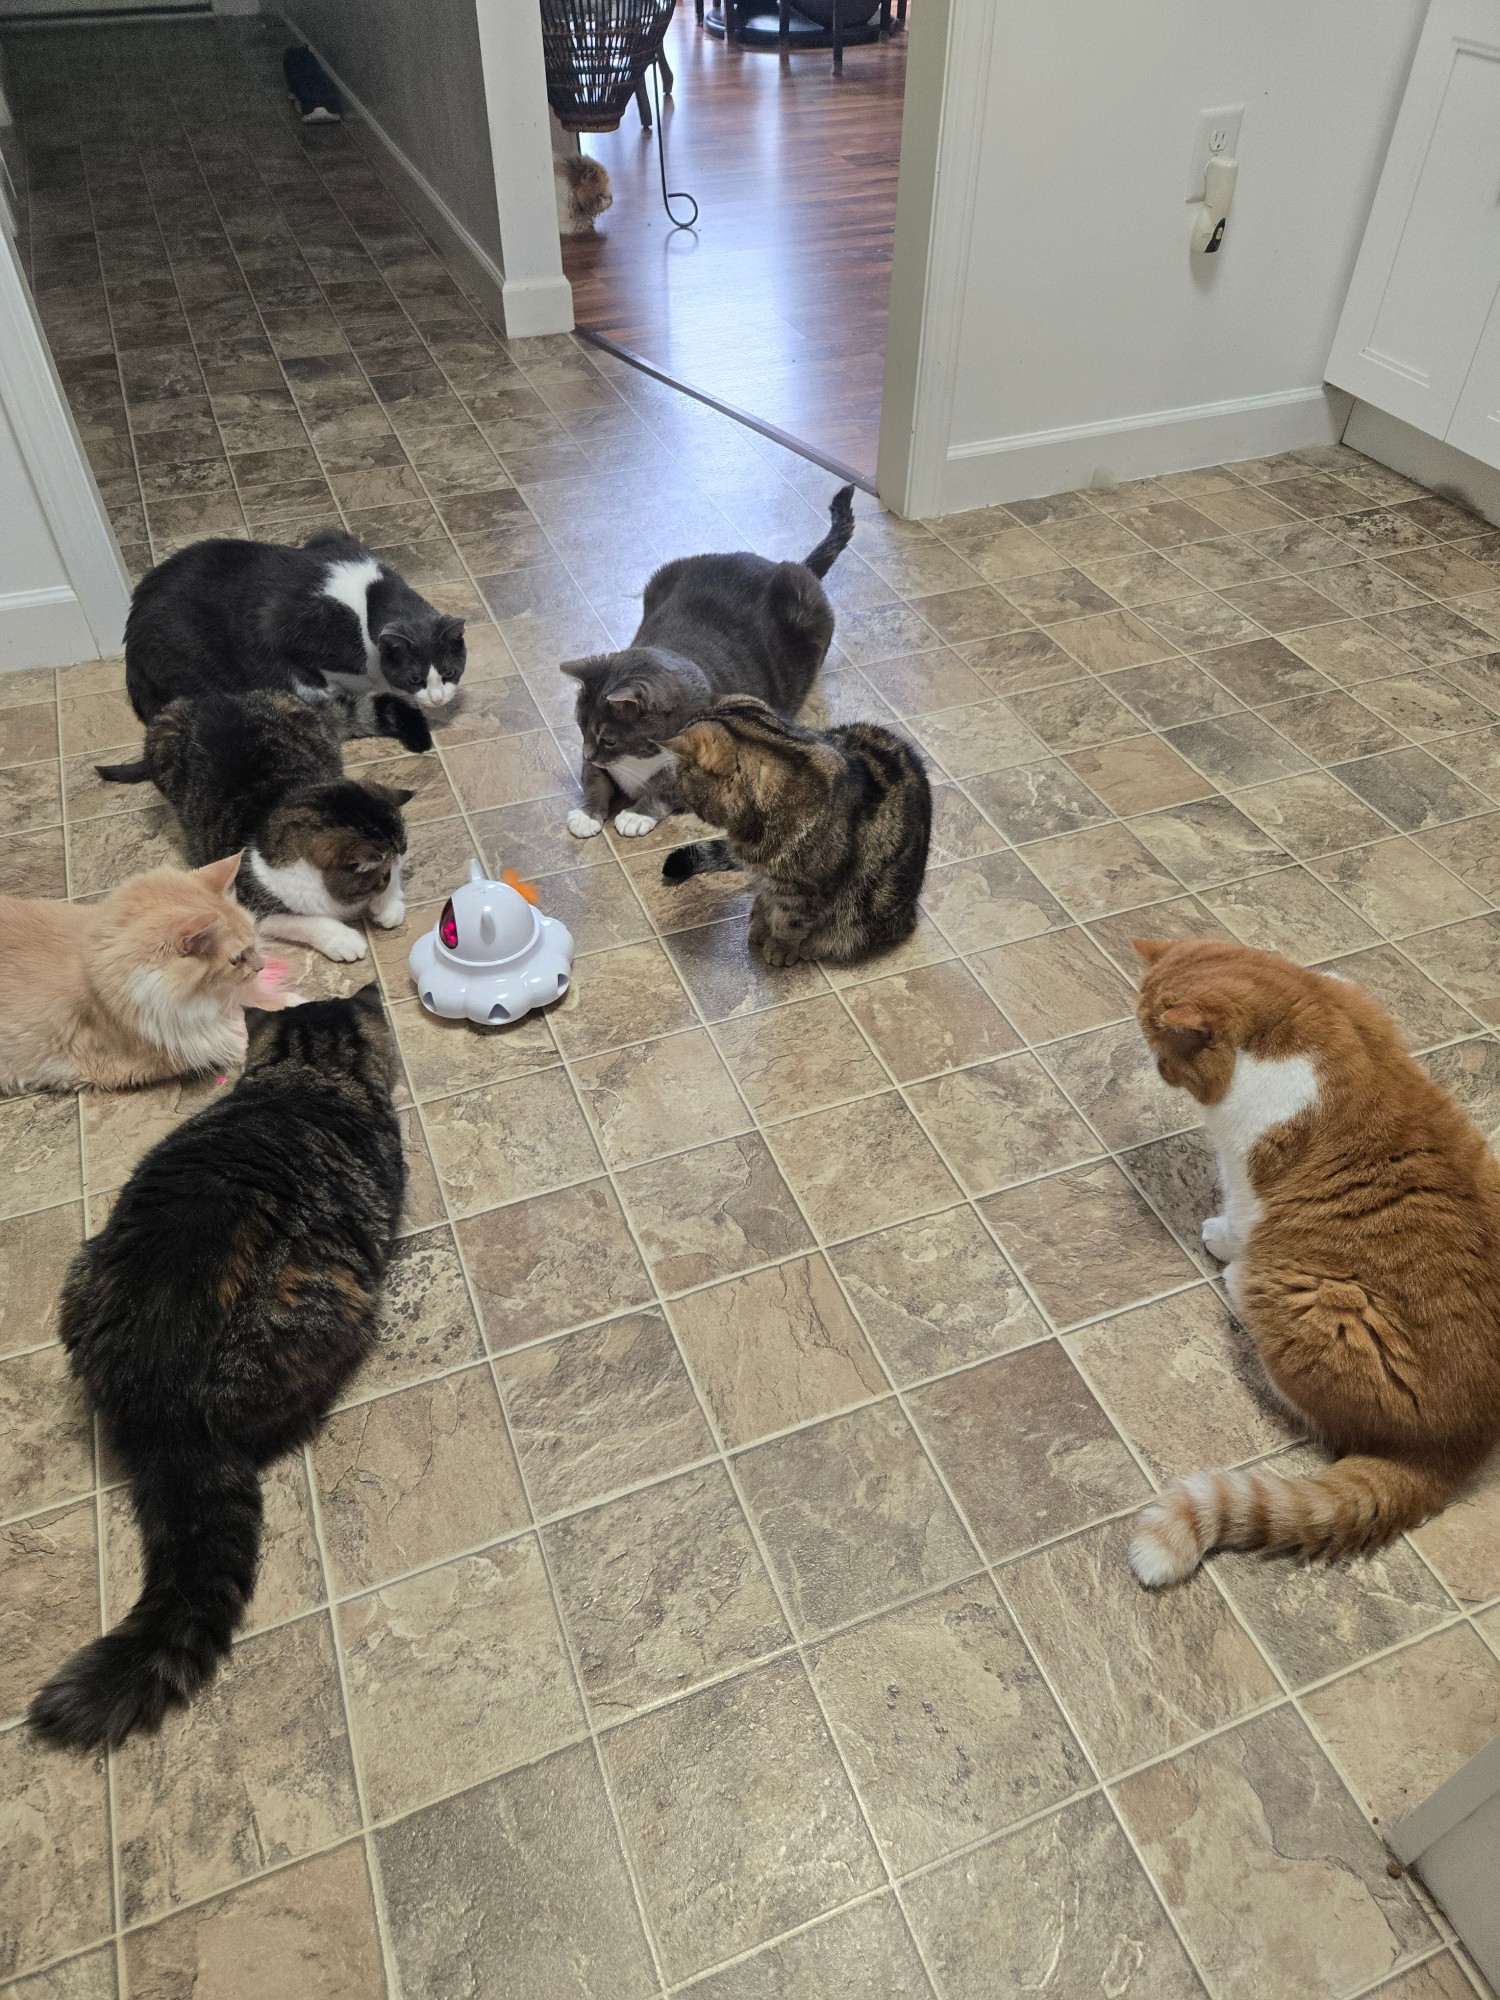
(199, 1511)
(1357, 1504)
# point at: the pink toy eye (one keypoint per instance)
(448, 926)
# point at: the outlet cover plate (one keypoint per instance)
(1218, 132)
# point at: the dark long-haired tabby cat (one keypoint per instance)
(710, 625)
(213, 1321)
(263, 773)
(228, 616)
(832, 824)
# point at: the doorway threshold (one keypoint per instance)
(772, 431)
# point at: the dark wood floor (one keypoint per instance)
(777, 302)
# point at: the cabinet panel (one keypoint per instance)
(1476, 420)
(1429, 267)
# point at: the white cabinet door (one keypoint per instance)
(1476, 420)
(1429, 267)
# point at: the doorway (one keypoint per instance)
(775, 304)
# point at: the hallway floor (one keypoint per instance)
(715, 1584)
(776, 302)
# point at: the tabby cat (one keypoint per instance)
(710, 625)
(213, 1321)
(833, 825)
(1360, 1232)
(263, 772)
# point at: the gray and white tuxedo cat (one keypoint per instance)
(710, 625)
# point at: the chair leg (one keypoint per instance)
(643, 102)
(698, 8)
(885, 18)
(784, 24)
(667, 78)
(838, 38)
(900, 13)
(728, 6)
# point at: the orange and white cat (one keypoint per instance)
(149, 982)
(1360, 1232)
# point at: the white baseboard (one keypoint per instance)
(541, 306)
(43, 628)
(1426, 459)
(995, 470)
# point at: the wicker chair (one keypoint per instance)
(597, 54)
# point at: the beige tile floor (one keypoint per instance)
(716, 1582)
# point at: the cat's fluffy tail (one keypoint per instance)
(699, 857)
(200, 1519)
(840, 531)
(368, 714)
(1355, 1505)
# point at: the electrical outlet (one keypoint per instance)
(1218, 132)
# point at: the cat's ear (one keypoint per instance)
(1150, 949)
(219, 875)
(394, 795)
(709, 745)
(627, 704)
(451, 631)
(392, 645)
(1187, 1028)
(196, 936)
(589, 669)
(369, 998)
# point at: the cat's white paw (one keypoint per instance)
(389, 916)
(582, 825)
(1218, 1238)
(632, 825)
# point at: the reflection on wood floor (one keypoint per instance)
(777, 302)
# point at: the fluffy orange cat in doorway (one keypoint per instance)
(1361, 1236)
(149, 982)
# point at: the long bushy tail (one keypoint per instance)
(840, 530)
(1357, 1504)
(138, 773)
(200, 1519)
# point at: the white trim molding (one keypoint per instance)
(994, 470)
(942, 126)
(43, 628)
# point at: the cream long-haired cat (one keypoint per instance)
(147, 983)
(1360, 1231)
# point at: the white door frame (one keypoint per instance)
(942, 126)
(85, 617)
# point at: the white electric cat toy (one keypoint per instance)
(491, 956)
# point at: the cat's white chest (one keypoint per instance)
(633, 774)
(348, 583)
(1262, 1094)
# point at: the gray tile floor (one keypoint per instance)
(716, 1581)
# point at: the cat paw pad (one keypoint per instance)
(582, 825)
(632, 825)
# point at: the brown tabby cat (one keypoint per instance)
(1361, 1237)
(833, 825)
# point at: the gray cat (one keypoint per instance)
(710, 625)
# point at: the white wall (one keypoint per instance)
(1066, 328)
(455, 92)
